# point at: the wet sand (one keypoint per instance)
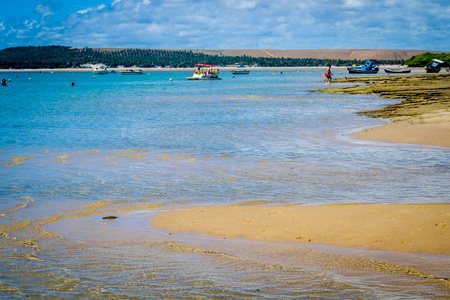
(396, 227)
(431, 129)
(423, 115)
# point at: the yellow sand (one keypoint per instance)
(398, 227)
(429, 129)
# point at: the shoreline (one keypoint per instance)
(423, 115)
(407, 228)
(432, 129)
(164, 69)
(228, 68)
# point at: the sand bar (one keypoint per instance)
(395, 227)
(428, 129)
(421, 117)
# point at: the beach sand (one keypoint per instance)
(418, 228)
(422, 116)
(431, 129)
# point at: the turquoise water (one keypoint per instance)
(271, 138)
(148, 140)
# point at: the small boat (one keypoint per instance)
(132, 72)
(240, 72)
(397, 70)
(205, 72)
(100, 70)
(434, 67)
(368, 68)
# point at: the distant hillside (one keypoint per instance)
(342, 54)
(33, 57)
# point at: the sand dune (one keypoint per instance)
(345, 54)
(359, 54)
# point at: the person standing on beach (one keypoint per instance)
(328, 73)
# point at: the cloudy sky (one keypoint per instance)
(228, 24)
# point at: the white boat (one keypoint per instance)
(99, 70)
(205, 72)
(132, 72)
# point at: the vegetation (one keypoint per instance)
(421, 94)
(34, 57)
(426, 59)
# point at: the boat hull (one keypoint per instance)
(197, 78)
(359, 71)
(397, 71)
(100, 72)
(432, 70)
(240, 72)
(132, 73)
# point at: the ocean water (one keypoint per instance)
(115, 143)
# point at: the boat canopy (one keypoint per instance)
(438, 61)
(206, 65)
(369, 64)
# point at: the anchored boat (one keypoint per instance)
(100, 70)
(240, 72)
(132, 72)
(434, 67)
(397, 70)
(368, 68)
(205, 72)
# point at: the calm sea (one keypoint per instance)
(115, 142)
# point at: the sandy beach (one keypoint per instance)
(421, 117)
(398, 227)
(431, 129)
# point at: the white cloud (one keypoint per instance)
(241, 4)
(85, 11)
(139, 4)
(353, 3)
(28, 24)
(44, 10)
(282, 24)
(88, 10)
(100, 7)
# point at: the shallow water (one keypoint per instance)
(119, 142)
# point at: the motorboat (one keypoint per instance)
(434, 67)
(401, 70)
(132, 72)
(205, 72)
(368, 68)
(99, 70)
(240, 72)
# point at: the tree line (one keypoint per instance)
(52, 57)
(426, 58)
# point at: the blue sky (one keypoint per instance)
(228, 24)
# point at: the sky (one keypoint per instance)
(227, 24)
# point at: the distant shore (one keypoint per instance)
(161, 69)
(340, 69)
